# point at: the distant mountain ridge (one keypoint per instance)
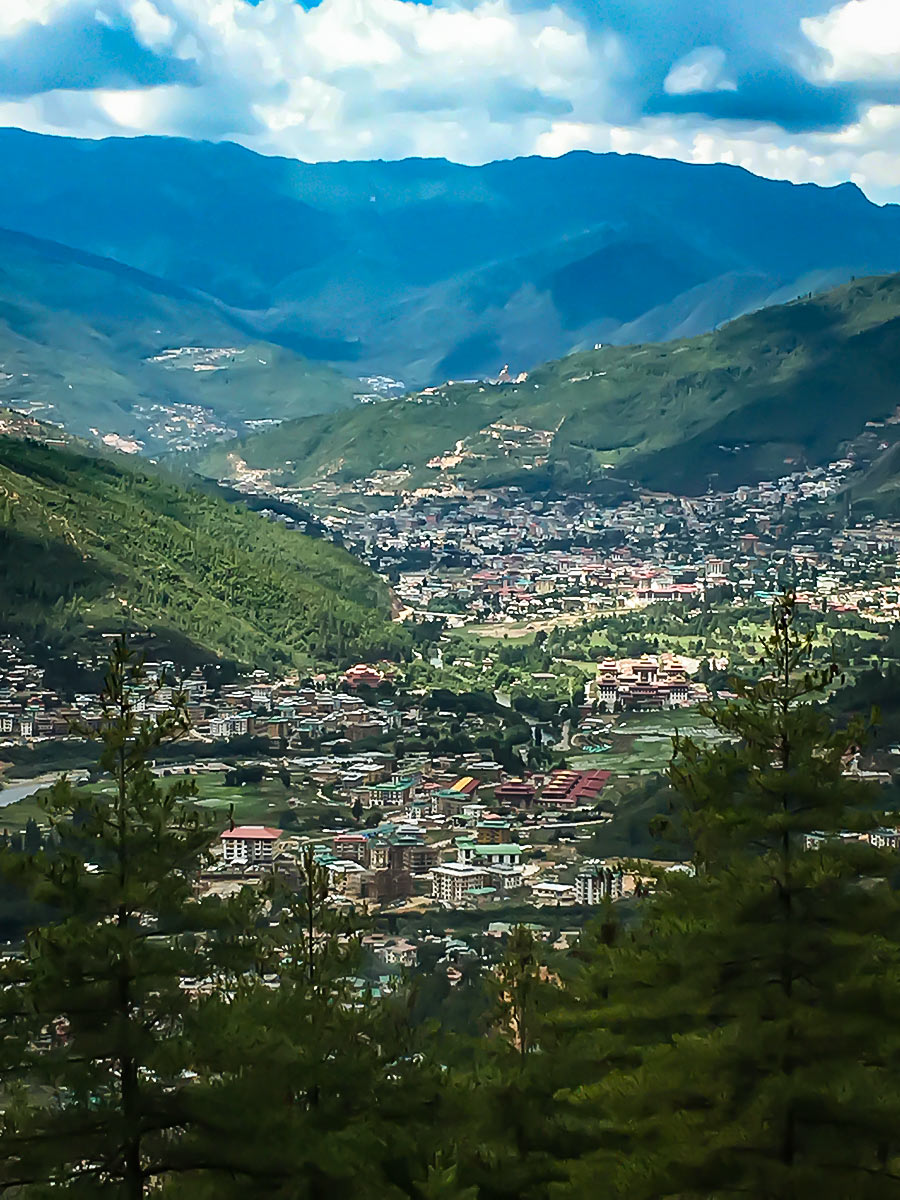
(763, 395)
(428, 270)
(87, 342)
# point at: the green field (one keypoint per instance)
(641, 743)
(263, 803)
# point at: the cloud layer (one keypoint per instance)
(793, 89)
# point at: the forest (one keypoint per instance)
(93, 544)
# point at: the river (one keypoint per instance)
(12, 792)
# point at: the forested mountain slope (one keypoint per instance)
(773, 389)
(92, 543)
(91, 344)
(429, 270)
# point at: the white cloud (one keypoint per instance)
(470, 80)
(703, 70)
(152, 27)
(345, 77)
(864, 152)
(16, 15)
(859, 40)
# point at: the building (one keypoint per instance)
(394, 794)
(570, 789)
(351, 846)
(451, 882)
(452, 800)
(502, 854)
(340, 871)
(492, 830)
(597, 883)
(380, 885)
(418, 858)
(515, 793)
(249, 845)
(553, 893)
(363, 675)
(649, 682)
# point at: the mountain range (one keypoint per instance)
(428, 270)
(94, 345)
(765, 394)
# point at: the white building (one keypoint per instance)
(451, 881)
(553, 893)
(247, 845)
(504, 854)
(598, 883)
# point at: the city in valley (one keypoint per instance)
(450, 600)
(509, 770)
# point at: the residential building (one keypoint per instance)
(451, 882)
(249, 845)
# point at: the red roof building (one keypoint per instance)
(363, 675)
(569, 789)
(515, 792)
(246, 845)
(351, 846)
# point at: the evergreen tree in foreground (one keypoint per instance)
(322, 1094)
(746, 1037)
(97, 1027)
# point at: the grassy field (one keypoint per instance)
(297, 810)
(641, 743)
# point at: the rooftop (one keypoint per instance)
(259, 832)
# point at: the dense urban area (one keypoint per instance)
(514, 763)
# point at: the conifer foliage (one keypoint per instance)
(97, 1025)
(748, 1028)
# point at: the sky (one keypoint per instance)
(805, 90)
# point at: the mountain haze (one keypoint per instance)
(429, 270)
(79, 333)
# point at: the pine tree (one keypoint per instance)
(747, 1033)
(500, 1117)
(518, 980)
(323, 1094)
(97, 1027)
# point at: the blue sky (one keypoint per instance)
(806, 90)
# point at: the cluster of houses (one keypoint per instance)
(418, 853)
(255, 705)
(502, 555)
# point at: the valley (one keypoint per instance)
(449, 599)
(777, 389)
(108, 351)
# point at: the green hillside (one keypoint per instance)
(90, 344)
(878, 489)
(782, 386)
(92, 544)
